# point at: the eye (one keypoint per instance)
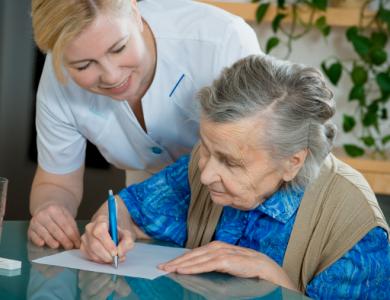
(119, 50)
(228, 163)
(83, 67)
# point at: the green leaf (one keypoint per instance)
(359, 75)
(384, 114)
(333, 72)
(320, 22)
(281, 3)
(255, 1)
(362, 45)
(348, 123)
(261, 11)
(353, 150)
(383, 80)
(384, 15)
(386, 139)
(320, 4)
(271, 43)
(326, 30)
(370, 119)
(379, 39)
(276, 21)
(351, 33)
(373, 107)
(357, 93)
(378, 56)
(322, 26)
(369, 141)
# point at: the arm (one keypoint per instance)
(362, 273)
(54, 201)
(156, 208)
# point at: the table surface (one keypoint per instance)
(35, 281)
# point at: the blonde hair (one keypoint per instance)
(57, 22)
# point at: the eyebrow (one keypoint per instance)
(223, 155)
(88, 59)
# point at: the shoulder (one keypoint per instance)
(348, 191)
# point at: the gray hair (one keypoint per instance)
(293, 101)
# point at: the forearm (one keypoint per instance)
(272, 272)
(63, 190)
(45, 194)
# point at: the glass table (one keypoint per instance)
(35, 281)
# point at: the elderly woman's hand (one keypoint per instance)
(226, 258)
(97, 244)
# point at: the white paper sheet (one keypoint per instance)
(141, 261)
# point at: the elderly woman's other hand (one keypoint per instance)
(222, 257)
(97, 244)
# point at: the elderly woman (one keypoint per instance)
(261, 196)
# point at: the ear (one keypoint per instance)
(294, 164)
(137, 15)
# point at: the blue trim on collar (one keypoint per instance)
(283, 204)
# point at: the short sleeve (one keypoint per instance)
(159, 205)
(61, 147)
(362, 273)
(239, 41)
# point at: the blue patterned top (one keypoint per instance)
(159, 206)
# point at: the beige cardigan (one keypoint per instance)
(337, 210)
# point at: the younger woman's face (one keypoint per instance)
(110, 57)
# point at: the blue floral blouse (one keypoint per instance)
(159, 206)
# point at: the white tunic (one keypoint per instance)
(194, 43)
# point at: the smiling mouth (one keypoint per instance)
(118, 89)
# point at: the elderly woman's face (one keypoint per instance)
(235, 169)
(110, 57)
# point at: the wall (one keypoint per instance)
(17, 57)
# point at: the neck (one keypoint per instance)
(151, 54)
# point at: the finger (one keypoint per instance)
(96, 250)
(91, 250)
(57, 232)
(172, 267)
(69, 226)
(44, 234)
(126, 243)
(189, 255)
(203, 267)
(35, 238)
(99, 230)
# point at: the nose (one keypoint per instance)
(111, 73)
(208, 168)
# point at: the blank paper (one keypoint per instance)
(141, 261)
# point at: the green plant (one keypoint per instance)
(297, 26)
(369, 72)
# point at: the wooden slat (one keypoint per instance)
(376, 171)
(335, 16)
